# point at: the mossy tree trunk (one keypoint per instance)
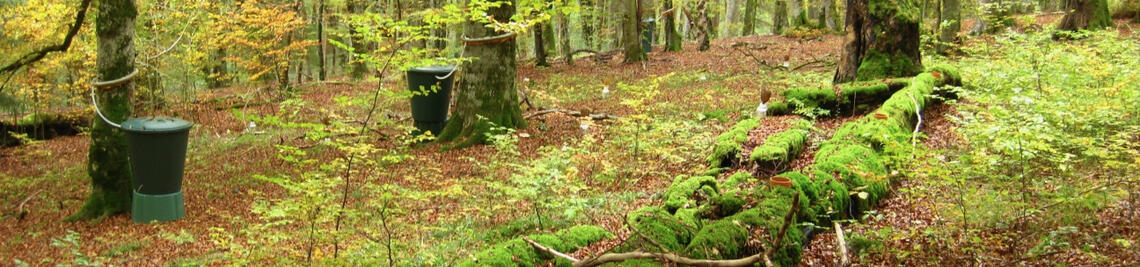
(588, 20)
(951, 24)
(487, 96)
(358, 45)
(780, 17)
(827, 14)
(749, 18)
(540, 45)
(631, 31)
(107, 163)
(730, 13)
(882, 41)
(1086, 15)
(672, 37)
(704, 26)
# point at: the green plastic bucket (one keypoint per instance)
(157, 147)
(432, 97)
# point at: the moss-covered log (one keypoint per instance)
(882, 40)
(839, 99)
(487, 97)
(781, 148)
(43, 126)
(727, 146)
(516, 252)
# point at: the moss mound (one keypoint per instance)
(688, 192)
(728, 143)
(781, 148)
(516, 252)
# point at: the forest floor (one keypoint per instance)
(695, 96)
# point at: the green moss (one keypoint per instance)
(689, 217)
(950, 75)
(777, 108)
(824, 98)
(516, 252)
(878, 65)
(680, 194)
(721, 239)
(728, 143)
(904, 10)
(657, 224)
(729, 203)
(782, 147)
(736, 179)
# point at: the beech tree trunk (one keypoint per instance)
(321, 73)
(730, 14)
(749, 18)
(952, 24)
(631, 31)
(1086, 15)
(780, 17)
(880, 42)
(588, 20)
(486, 96)
(827, 14)
(540, 45)
(672, 37)
(564, 38)
(358, 66)
(107, 163)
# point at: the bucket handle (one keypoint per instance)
(107, 84)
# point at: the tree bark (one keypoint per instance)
(631, 31)
(588, 19)
(564, 38)
(107, 163)
(730, 14)
(780, 17)
(540, 45)
(1086, 15)
(672, 37)
(487, 97)
(358, 46)
(951, 24)
(796, 10)
(321, 40)
(826, 13)
(749, 18)
(880, 42)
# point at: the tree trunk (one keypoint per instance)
(107, 163)
(631, 32)
(951, 24)
(358, 46)
(321, 39)
(588, 19)
(217, 72)
(487, 98)
(826, 13)
(730, 10)
(540, 45)
(564, 38)
(780, 17)
(672, 37)
(796, 10)
(880, 42)
(703, 26)
(1086, 15)
(749, 18)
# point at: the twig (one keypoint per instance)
(180, 34)
(20, 209)
(548, 250)
(843, 260)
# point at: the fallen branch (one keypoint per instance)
(20, 212)
(575, 113)
(843, 260)
(917, 126)
(548, 250)
(674, 258)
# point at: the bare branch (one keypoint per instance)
(37, 55)
(548, 250)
